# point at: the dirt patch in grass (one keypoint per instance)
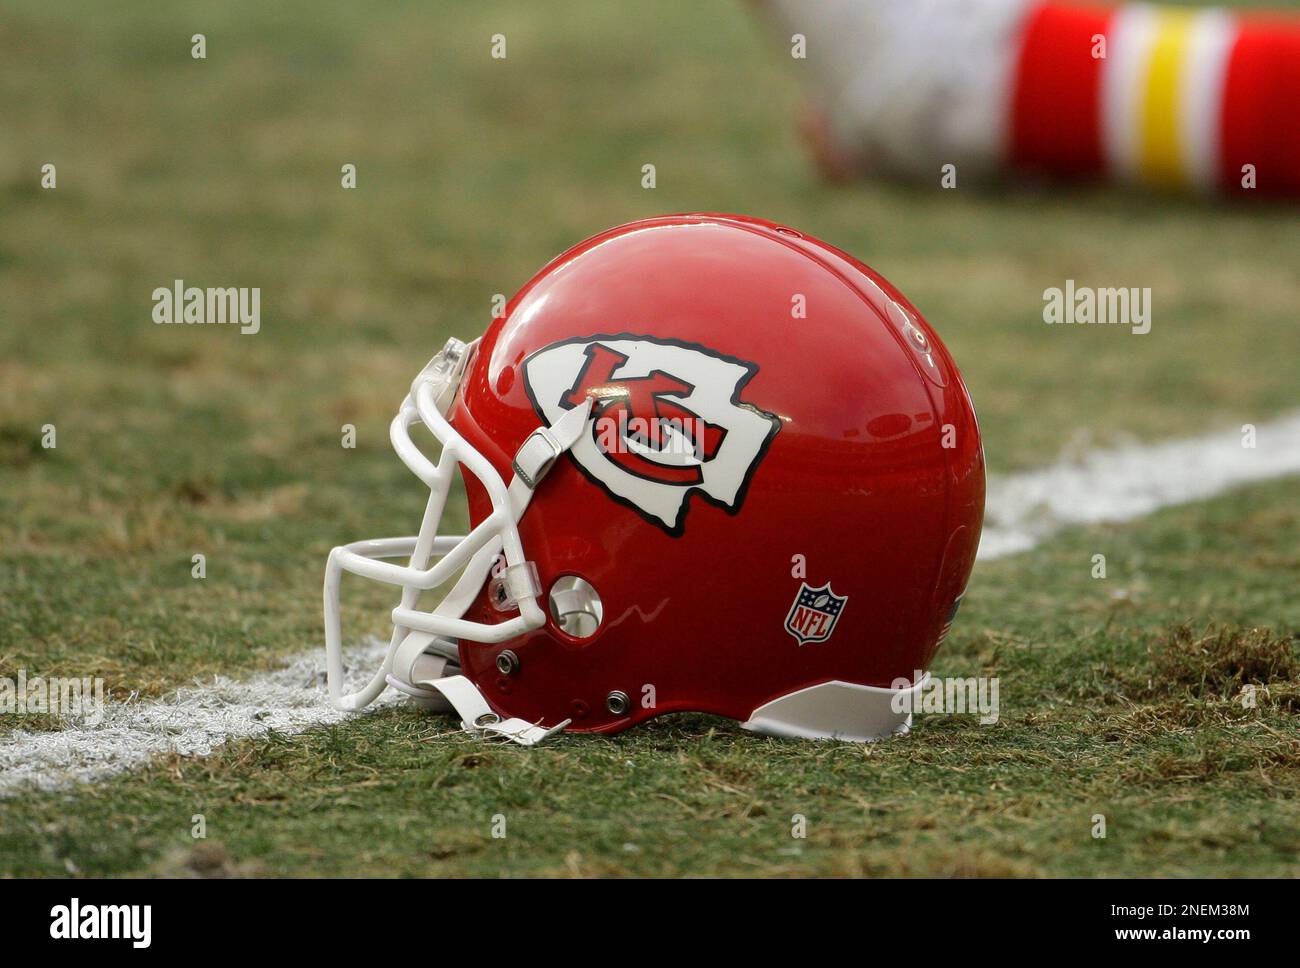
(1222, 659)
(203, 861)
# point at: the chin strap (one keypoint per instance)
(534, 459)
(478, 719)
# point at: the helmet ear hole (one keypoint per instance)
(575, 606)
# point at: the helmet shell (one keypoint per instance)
(867, 491)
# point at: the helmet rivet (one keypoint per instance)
(617, 703)
(507, 663)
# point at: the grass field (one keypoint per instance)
(472, 172)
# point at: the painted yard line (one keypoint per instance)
(1023, 510)
(194, 721)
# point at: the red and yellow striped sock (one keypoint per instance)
(1160, 95)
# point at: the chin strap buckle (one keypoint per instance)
(536, 456)
(543, 447)
(478, 719)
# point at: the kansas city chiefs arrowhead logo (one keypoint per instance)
(667, 421)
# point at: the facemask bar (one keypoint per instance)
(415, 630)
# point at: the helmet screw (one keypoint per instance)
(507, 663)
(617, 703)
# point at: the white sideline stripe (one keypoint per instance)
(1022, 510)
(1128, 482)
(193, 721)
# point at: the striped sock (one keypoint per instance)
(1161, 96)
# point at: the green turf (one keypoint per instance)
(472, 173)
(1107, 707)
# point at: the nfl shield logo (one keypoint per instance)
(814, 613)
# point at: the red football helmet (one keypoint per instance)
(712, 464)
